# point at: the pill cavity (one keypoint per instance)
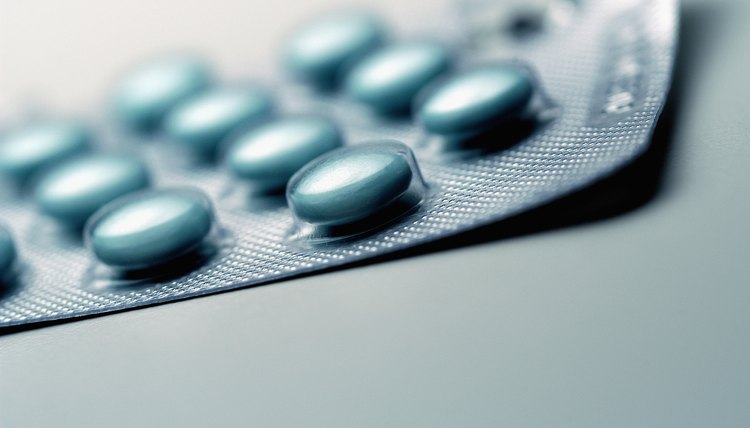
(149, 228)
(268, 156)
(352, 184)
(37, 146)
(205, 121)
(74, 190)
(389, 79)
(476, 99)
(321, 51)
(150, 92)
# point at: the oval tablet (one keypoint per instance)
(476, 99)
(149, 228)
(389, 79)
(74, 190)
(268, 156)
(36, 147)
(319, 52)
(206, 120)
(348, 185)
(146, 95)
(7, 253)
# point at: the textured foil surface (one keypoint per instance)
(607, 70)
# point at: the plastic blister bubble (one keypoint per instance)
(353, 191)
(152, 217)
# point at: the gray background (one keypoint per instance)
(635, 319)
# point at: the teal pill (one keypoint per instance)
(74, 190)
(35, 147)
(7, 253)
(149, 93)
(477, 99)
(389, 79)
(320, 52)
(268, 156)
(202, 123)
(149, 228)
(348, 185)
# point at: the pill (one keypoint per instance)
(147, 94)
(72, 191)
(477, 99)
(322, 50)
(35, 147)
(202, 123)
(149, 228)
(389, 79)
(7, 253)
(348, 185)
(268, 156)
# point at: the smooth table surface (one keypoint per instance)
(641, 319)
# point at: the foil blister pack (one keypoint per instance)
(600, 71)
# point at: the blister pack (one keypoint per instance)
(376, 143)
